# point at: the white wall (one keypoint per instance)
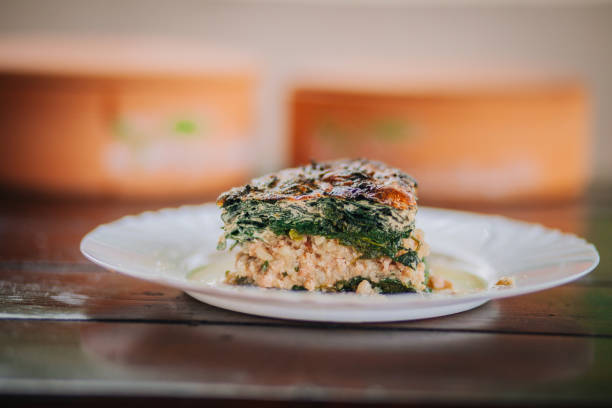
(567, 39)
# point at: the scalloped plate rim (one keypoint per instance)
(345, 299)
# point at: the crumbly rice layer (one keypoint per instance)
(318, 263)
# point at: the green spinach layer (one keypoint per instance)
(373, 229)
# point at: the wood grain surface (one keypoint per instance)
(71, 332)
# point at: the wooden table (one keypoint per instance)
(71, 332)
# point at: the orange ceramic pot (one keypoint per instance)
(497, 144)
(125, 135)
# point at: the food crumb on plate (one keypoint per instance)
(439, 283)
(505, 282)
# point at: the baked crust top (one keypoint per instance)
(346, 179)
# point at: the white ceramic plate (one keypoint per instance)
(168, 245)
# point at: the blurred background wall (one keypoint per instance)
(292, 42)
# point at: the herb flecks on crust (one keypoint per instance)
(342, 179)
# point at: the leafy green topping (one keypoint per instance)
(390, 285)
(386, 285)
(264, 266)
(243, 280)
(349, 285)
(410, 258)
(373, 229)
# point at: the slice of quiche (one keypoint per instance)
(345, 225)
